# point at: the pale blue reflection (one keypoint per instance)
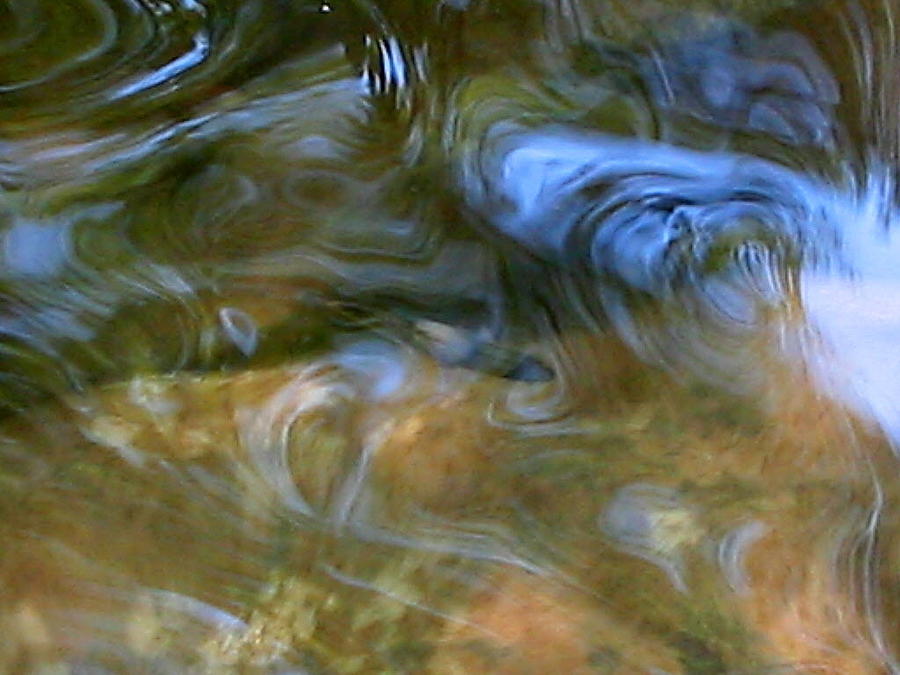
(858, 317)
(36, 250)
(197, 55)
(729, 75)
(729, 230)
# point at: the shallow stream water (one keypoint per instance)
(449, 336)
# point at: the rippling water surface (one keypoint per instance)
(449, 336)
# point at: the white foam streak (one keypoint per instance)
(265, 430)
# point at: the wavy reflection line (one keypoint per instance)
(110, 32)
(197, 55)
(265, 431)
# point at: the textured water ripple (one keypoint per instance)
(380, 337)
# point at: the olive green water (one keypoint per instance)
(447, 336)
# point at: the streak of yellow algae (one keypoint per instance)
(385, 620)
(294, 613)
(435, 443)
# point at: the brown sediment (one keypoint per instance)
(432, 446)
(441, 453)
(523, 623)
(519, 626)
(796, 601)
(791, 460)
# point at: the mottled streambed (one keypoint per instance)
(449, 336)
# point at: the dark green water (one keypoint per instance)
(449, 336)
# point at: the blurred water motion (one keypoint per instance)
(449, 336)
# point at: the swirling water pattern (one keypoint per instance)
(448, 336)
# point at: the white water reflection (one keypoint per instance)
(655, 218)
(857, 316)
